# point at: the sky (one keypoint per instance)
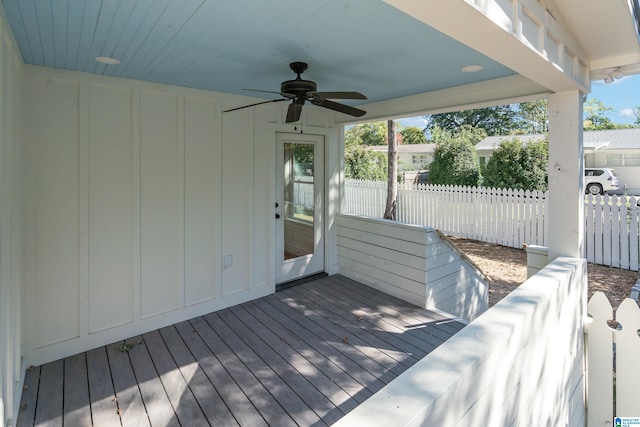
(621, 95)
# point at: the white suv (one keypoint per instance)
(600, 180)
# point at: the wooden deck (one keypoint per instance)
(304, 356)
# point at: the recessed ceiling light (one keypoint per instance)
(472, 68)
(107, 60)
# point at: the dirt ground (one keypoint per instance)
(507, 268)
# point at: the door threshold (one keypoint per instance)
(295, 282)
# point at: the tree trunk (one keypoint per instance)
(392, 174)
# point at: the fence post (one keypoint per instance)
(627, 351)
(599, 347)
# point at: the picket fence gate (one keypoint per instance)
(612, 361)
(504, 216)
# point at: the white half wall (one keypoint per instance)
(10, 226)
(412, 263)
(133, 195)
(521, 363)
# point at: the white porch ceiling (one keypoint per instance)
(361, 45)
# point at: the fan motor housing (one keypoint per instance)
(298, 87)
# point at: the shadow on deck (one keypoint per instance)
(304, 356)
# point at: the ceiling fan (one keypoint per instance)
(298, 91)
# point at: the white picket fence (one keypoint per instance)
(505, 217)
(612, 230)
(612, 361)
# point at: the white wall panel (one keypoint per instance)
(53, 131)
(159, 205)
(202, 200)
(237, 203)
(110, 207)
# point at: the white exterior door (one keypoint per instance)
(299, 206)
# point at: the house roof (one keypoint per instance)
(614, 139)
(493, 142)
(384, 49)
(406, 148)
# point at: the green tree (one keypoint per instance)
(595, 115)
(518, 166)
(413, 135)
(455, 161)
(498, 120)
(373, 133)
(636, 113)
(464, 132)
(361, 163)
(534, 116)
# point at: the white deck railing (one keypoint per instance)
(506, 217)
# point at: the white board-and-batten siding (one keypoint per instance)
(134, 192)
(412, 263)
(10, 226)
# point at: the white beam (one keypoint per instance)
(519, 34)
(506, 90)
(566, 169)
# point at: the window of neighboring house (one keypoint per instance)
(614, 160)
(627, 159)
(632, 159)
(483, 162)
(418, 159)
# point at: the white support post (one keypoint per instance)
(566, 169)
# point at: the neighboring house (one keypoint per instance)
(137, 191)
(412, 156)
(617, 149)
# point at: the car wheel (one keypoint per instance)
(594, 189)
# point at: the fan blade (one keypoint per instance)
(337, 95)
(286, 95)
(338, 107)
(294, 112)
(257, 103)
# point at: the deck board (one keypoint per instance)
(129, 399)
(355, 323)
(341, 370)
(304, 356)
(49, 410)
(175, 385)
(29, 399)
(212, 404)
(155, 399)
(76, 391)
(272, 370)
(241, 407)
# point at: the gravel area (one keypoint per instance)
(507, 268)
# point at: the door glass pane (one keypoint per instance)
(299, 203)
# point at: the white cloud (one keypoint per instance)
(627, 112)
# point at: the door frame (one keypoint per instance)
(285, 269)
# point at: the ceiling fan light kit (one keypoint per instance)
(298, 91)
